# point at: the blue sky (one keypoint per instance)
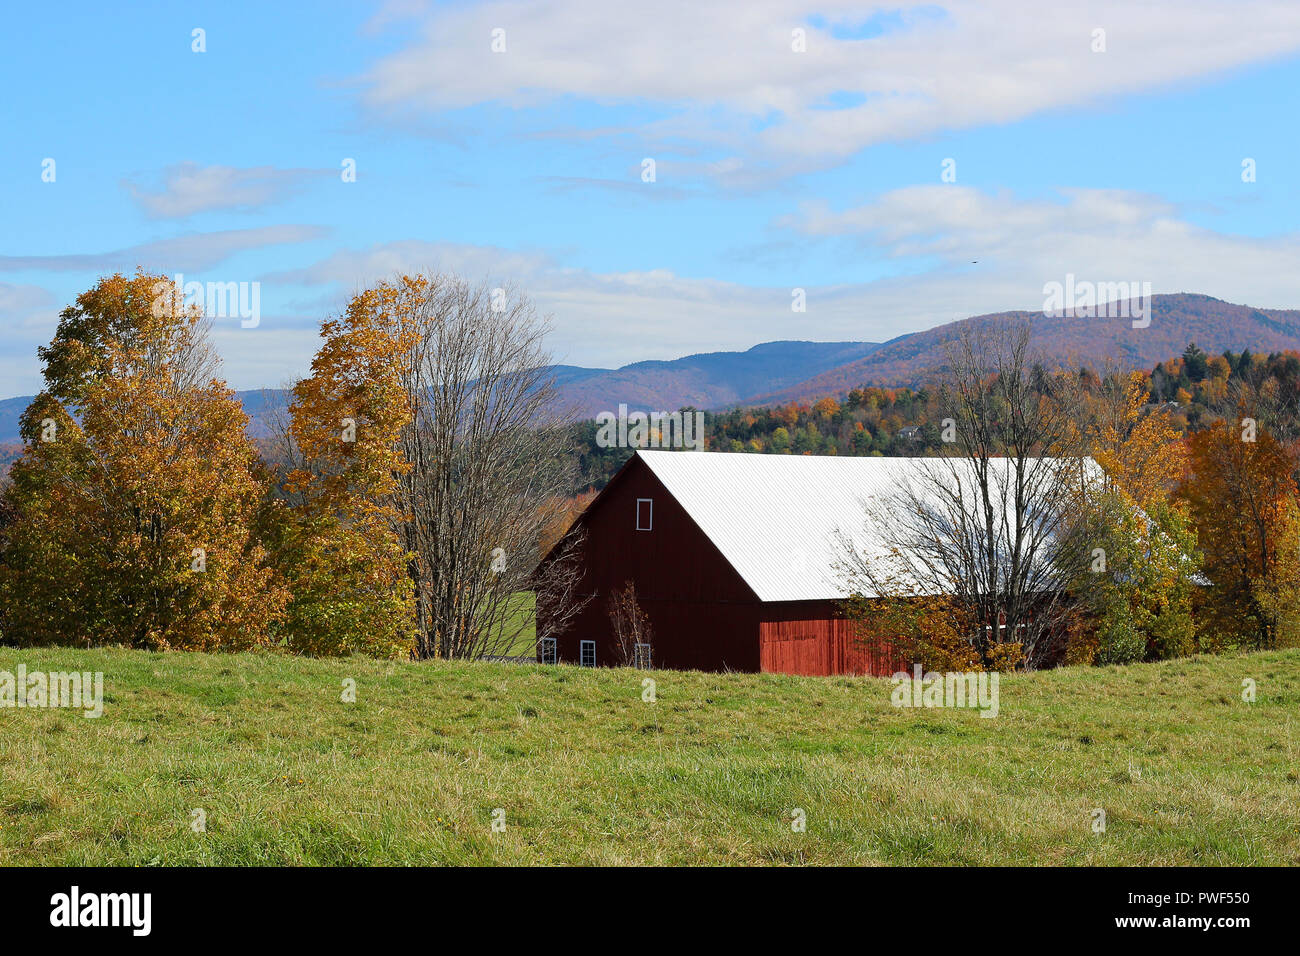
(776, 168)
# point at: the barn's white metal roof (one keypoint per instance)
(782, 520)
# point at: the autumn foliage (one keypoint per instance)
(1141, 448)
(1241, 494)
(338, 552)
(132, 512)
(414, 487)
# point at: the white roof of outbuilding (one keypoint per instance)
(781, 520)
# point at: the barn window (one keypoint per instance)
(645, 513)
(548, 650)
(587, 654)
(643, 657)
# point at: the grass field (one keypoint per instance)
(587, 772)
(523, 613)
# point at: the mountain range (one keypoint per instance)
(707, 381)
(778, 372)
(1175, 321)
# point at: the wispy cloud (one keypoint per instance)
(19, 300)
(960, 252)
(200, 250)
(995, 251)
(188, 188)
(28, 316)
(358, 268)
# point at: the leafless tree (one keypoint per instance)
(1277, 410)
(630, 624)
(488, 450)
(556, 584)
(994, 523)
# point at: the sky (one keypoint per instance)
(660, 178)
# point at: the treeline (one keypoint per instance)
(1198, 519)
(419, 474)
(399, 512)
(1186, 541)
(1195, 389)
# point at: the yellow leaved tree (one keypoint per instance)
(345, 564)
(1138, 446)
(131, 515)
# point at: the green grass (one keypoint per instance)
(587, 772)
(523, 615)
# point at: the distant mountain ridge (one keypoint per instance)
(785, 371)
(1176, 319)
(708, 380)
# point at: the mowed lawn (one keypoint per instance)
(586, 772)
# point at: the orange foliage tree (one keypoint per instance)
(559, 515)
(348, 570)
(431, 441)
(133, 510)
(1140, 449)
(1239, 494)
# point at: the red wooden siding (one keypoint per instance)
(810, 637)
(704, 615)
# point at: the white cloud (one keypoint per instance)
(982, 253)
(599, 318)
(276, 353)
(355, 269)
(18, 301)
(995, 252)
(188, 188)
(612, 319)
(188, 253)
(722, 68)
(28, 316)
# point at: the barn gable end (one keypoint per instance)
(705, 617)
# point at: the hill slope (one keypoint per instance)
(801, 371)
(1178, 319)
(11, 409)
(588, 773)
(709, 380)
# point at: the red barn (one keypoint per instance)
(733, 557)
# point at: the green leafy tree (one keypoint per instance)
(1140, 582)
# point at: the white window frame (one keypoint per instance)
(650, 518)
(550, 650)
(642, 657)
(582, 653)
(1019, 629)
